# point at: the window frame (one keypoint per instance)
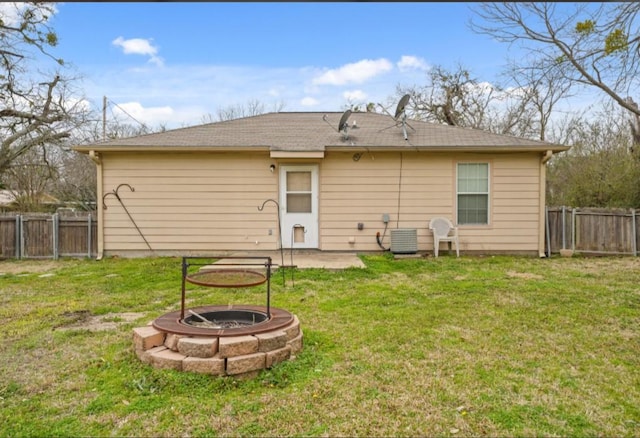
(487, 193)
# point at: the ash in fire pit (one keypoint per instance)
(225, 319)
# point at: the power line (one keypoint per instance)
(124, 111)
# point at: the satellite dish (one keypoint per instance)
(400, 111)
(343, 125)
(401, 105)
(343, 121)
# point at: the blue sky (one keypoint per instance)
(173, 63)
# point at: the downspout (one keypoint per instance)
(542, 219)
(100, 219)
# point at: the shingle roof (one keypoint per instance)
(317, 131)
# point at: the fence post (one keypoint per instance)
(18, 234)
(548, 230)
(573, 230)
(89, 224)
(564, 240)
(634, 244)
(56, 228)
(22, 242)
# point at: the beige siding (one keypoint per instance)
(361, 191)
(208, 202)
(196, 202)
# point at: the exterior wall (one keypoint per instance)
(199, 203)
(361, 191)
(189, 202)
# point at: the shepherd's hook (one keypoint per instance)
(279, 234)
(115, 193)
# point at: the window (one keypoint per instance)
(298, 192)
(473, 193)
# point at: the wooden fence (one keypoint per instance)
(593, 231)
(583, 230)
(34, 235)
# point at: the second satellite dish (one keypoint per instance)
(343, 121)
(401, 105)
(401, 116)
(343, 124)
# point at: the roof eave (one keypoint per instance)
(475, 149)
(115, 148)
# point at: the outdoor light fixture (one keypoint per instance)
(272, 168)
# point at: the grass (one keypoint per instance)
(493, 346)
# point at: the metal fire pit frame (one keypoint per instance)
(256, 261)
(172, 323)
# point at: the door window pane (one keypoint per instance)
(298, 181)
(298, 202)
(299, 192)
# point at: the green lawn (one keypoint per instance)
(496, 346)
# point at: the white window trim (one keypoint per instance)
(488, 193)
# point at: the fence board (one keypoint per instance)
(8, 233)
(37, 236)
(75, 238)
(591, 230)
(33, 235)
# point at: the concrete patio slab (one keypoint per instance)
(304, 259)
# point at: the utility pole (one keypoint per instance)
(104, 118)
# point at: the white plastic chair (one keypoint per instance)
(443, 231)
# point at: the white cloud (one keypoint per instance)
(486, 88)
(193, 91)
(308, 101)
(355, 95)
(138, 112)
(139, 46)
(514, 91)
(355, 73)
(408, 63)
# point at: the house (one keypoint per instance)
(7, 198)
(338, 180)
(16, 200)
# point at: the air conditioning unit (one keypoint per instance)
(404, 241)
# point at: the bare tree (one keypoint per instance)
(29, 179)
(457, 98)
(76, 182)
(598, 170)
(541, 90)
(253, 107)
(634, 124)
(597, 44)
(450, 97)
(32, 113)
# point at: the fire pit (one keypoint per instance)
(221, 340)
(225, 319)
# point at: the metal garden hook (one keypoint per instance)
(279, 233)
(115, 193)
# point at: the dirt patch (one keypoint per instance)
(525, 275)
(27, 267)
(84, 320)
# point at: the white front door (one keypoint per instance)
(299, 206)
